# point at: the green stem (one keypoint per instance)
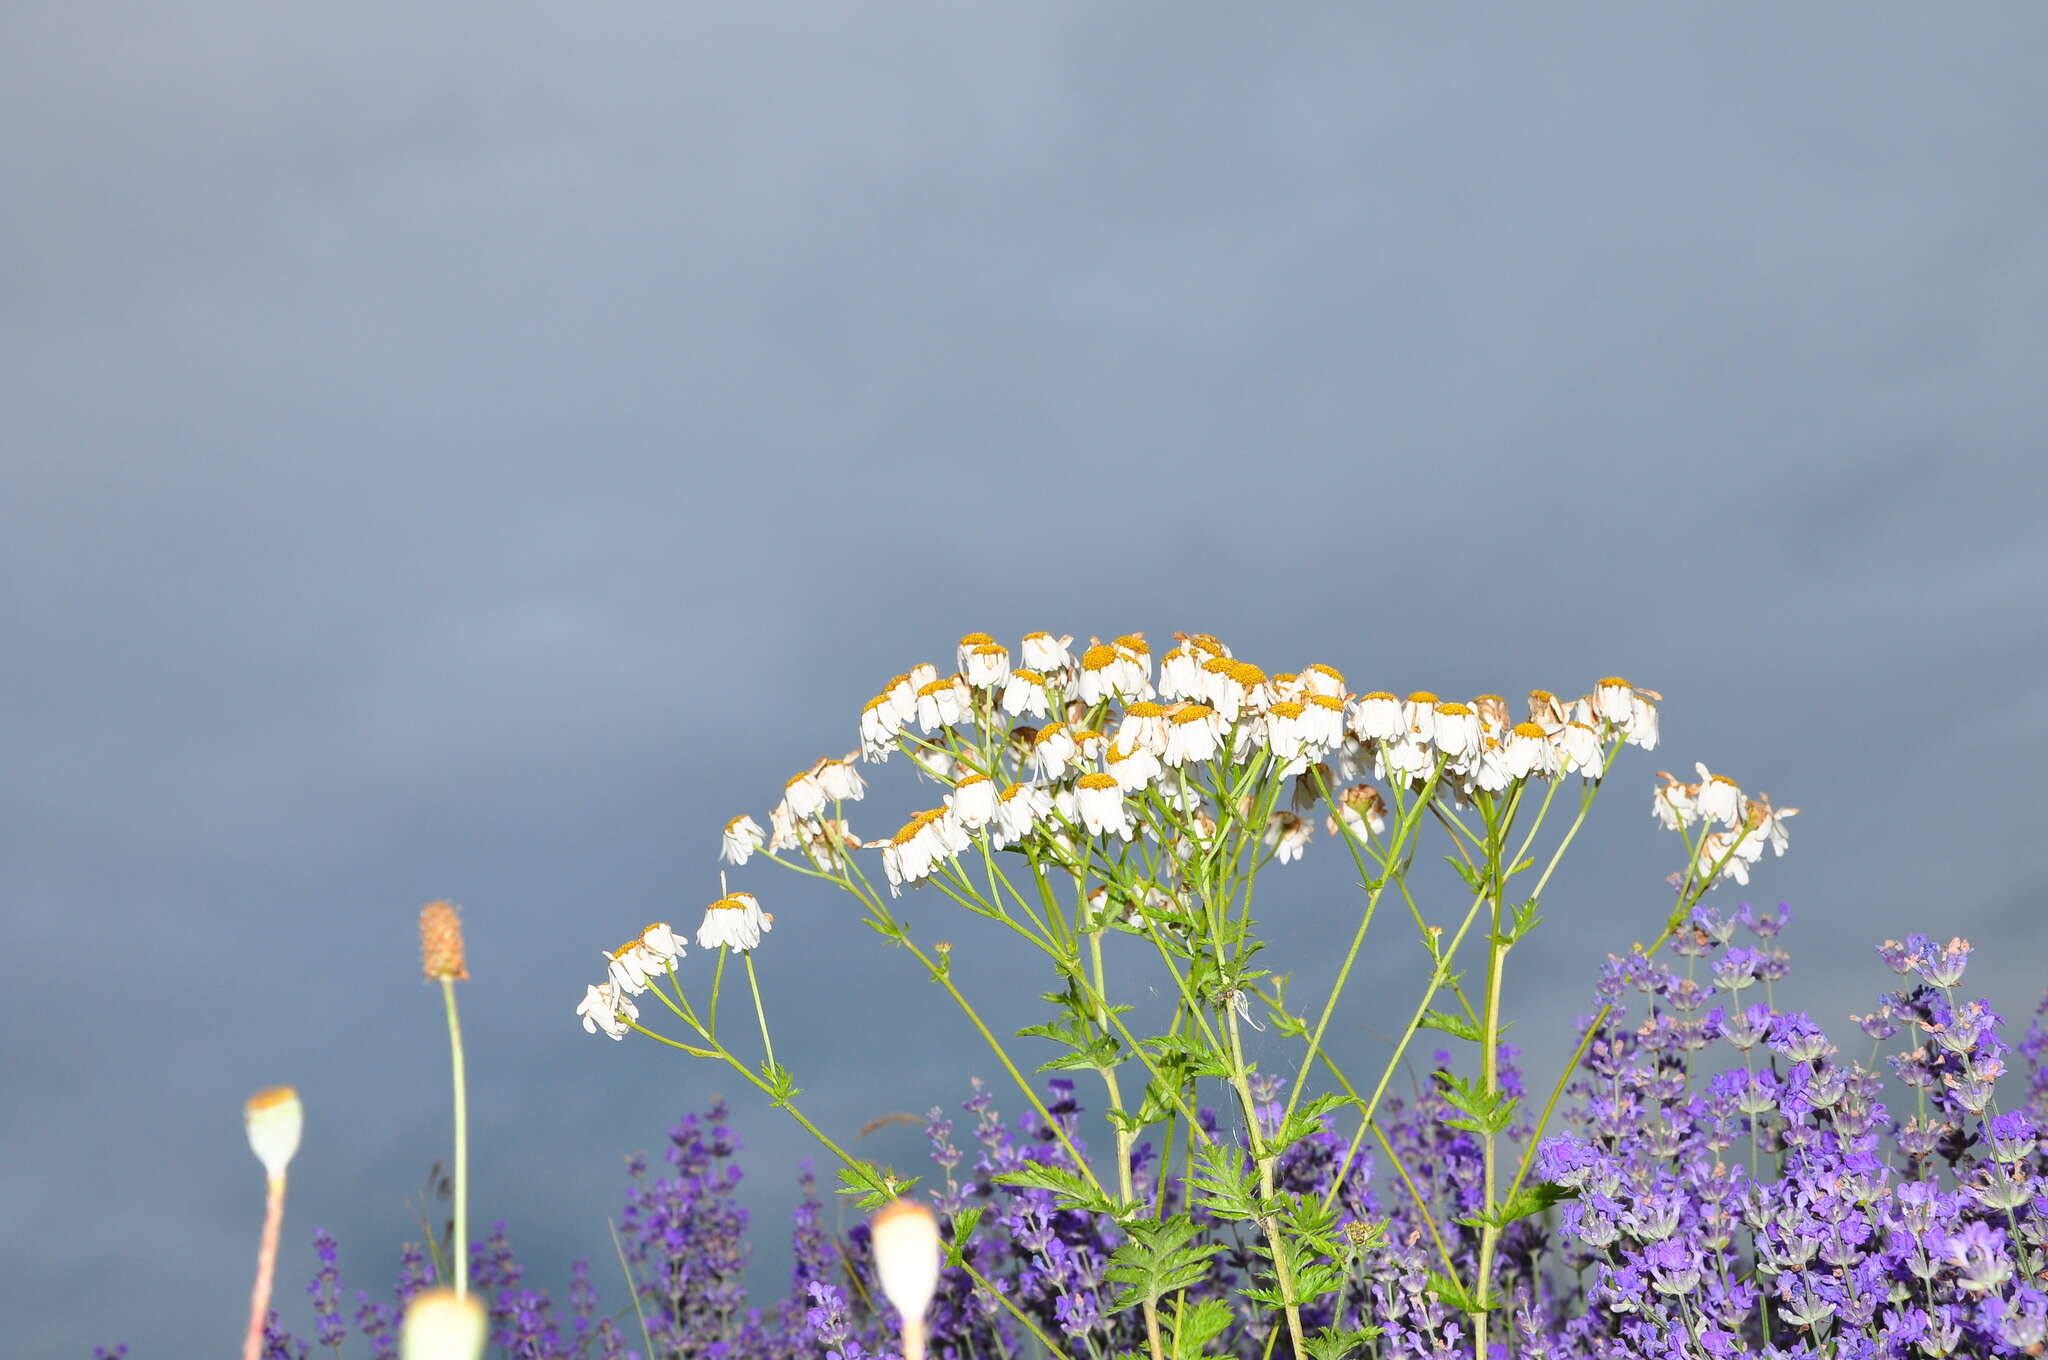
(767, 1044)
(461, 1246)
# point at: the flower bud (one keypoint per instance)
(441, 942)
(275, 1119)
(443, 1325)
(907, 1254)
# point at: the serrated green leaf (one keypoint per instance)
(1157, 1259)
(1457, 1026)
(1197, 1327)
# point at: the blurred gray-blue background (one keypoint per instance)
(473, 450)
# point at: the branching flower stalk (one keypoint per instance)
(1112, 791)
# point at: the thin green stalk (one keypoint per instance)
(754, 983)
(460, 1249)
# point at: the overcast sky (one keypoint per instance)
(474, 450)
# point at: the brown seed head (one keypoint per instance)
(441, 942)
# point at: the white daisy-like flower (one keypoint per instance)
(908, 855)
(1362, 810)
(1101, 806)
(741, 838)
(1132, 770)
(1720, 798)
(1143, 727)
(1546, 710)
(1327, 681)
(1287, 836)
(1019, 808)
(1046, 654)
(782, 828)
(1614, 699)
(840, 781)
(1418, 715)
(942, 703)
(1180, 673)
(736, 923)
(1719, 848)
(661, 942)
(1024, 695)
(1322, 720)
(967, 648)
(1090, 744)
(1675, 804)
(973, 801)
(987, 666)
(626, 968)
(1493, 714)
(1642, 722)
(804, 796)
(1767, 824)
(1489, 769)
(1377, 717)
(879, 724)
(1457, 731)
(1254, 692)
(1579, 750)
(604, 1008)
(1194, 733)
(1285, 737)
(1052, 750)
(829, 839)
(1407, 758)
(1216, 690)
(1527, 751)
(902, 694)
(1110, 672)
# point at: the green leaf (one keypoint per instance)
(964, 1224)
(1452, 1294)
(1331, 1344)
(1223, 1184)
(1158, 1259)
(1070, 1187)
(1302, 1123)
(1457, 1026)
(870, 1185)
(1198, 1326)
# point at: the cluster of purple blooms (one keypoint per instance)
(1739, 1188)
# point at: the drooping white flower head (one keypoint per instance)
(987, 666)
(1132, 769)
(1024, 695)
(1546, 711)
(743, 836)
(1493, 715)
(1418, 715)
(605, 1008)
(1675, 804)
(1194, 733)
(735, 922)
(1720, 798)
(1090, 744)
(966, 649)
(1362, 811)
(1488, 771)
(879, 723)
(902, 692)
(1614, 699)
(1642, 723)
(1579, 750)
(1326, 681)
(1180, 673)
(1718, 848)
(1286, 737)
(1053, 750)
(804, 796)
(1378, 717)
(1143, 727)
(1101, 806)
(1528, 751)
(1046, 654)
(1406, 758)
(661, 942)
(275, 1120)
(1457, 731)
(973, 801)
(1019, 808)
(1322, 721)
(840, 782)
(1287, 836)
(941, 703)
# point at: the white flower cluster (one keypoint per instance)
(1119, 731)
(1742, 824)
(735, 921)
